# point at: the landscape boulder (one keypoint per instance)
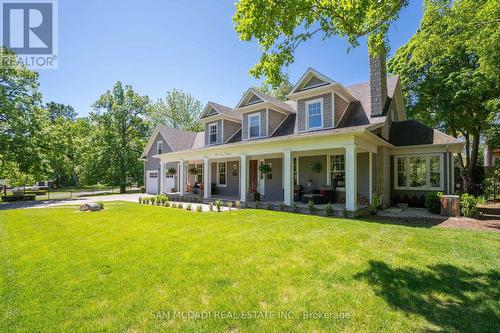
(91, 206)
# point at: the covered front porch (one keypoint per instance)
(344, 177)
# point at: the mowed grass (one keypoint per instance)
(142, 268)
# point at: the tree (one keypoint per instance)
(448, 83)
(22, 119)
(280, 26)
(178, 110)
(57, 110)
(279, 92)
(118, 138)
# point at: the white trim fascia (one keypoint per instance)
(267, 122)
(311, 93)
(219, 116)
(439, 147)
(328, 170)
(313, 101)
(263, 105)
(310, 71)
(256, 114)
(222, 131)
(333, 109)
(249, 91)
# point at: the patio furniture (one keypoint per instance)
(316, 198)
(297, 192)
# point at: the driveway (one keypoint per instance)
(133, 197)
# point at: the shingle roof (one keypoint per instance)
(177, 139)
(271, 99)
(361, 92)
(412, 132)
(225, 110)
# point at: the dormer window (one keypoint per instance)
(314, 113)
(212, 130)
(254, 125)
(159, 147)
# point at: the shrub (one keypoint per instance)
(153, 200)
(211, 206)
(180, 206)
(199, 208)
(230, 204)
(374, 203)
(173, 205)
(329, 209)
(101, 204)
(433, 202)
(189, 207)
(167, 204)
(268, 206)
(282, 206)
(257, 204)
(143, 189)
(310, 206)
(140, 200)
(145, 200)
(468, 205)
(295, 209)
(238, 204)
(218, 205)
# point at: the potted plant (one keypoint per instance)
(316, 167)
(374, 204)
(193, 171)
(265, 168)
(171, 171)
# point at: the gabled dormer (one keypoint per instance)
(261, 114)
(221, 123)
(321, 101)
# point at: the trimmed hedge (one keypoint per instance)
(433, 202)
(468, 205)
(26, 197)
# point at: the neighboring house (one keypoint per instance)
(326, 141)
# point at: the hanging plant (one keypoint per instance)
(193, 171)
(171, 171)
(265, 168)
(316, 167)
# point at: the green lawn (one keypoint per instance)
(136, 268)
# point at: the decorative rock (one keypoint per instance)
(450, 205)
(91, 206)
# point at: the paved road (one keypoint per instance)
(77, 201)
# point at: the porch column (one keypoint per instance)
(162, 177)
(182, 178)
(351, 202)
(207, 188)
(287, 178)
(243, 177)
(370, 173)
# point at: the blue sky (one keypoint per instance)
(190, 45)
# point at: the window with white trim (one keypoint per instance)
(199, 173)
(159, 147)
(314, 112)
(212, 132)
(221, 174)
(254, 125)
(337, 170)
(418, 172)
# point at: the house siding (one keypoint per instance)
(340, 107)
(305, 174)
(230, 127)
(363, 175)
(219, 132)
(152, 163)
(263, 123)
(374, 172)
(232, 180)
(275, 118)
(274, 186)
(327, 111)
(313, 81)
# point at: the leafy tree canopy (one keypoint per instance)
(280, 26)
(280, 91)
(57, 110)
(178, 110)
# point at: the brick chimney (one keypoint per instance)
(378, 84)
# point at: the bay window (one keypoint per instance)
(422, 172)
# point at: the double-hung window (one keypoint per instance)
(337, 170)
(314, 113)
(212, 131)
(199, 174)
(221, 174)
(254, 125)
(418, 172)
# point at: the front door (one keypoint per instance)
(253, 176)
